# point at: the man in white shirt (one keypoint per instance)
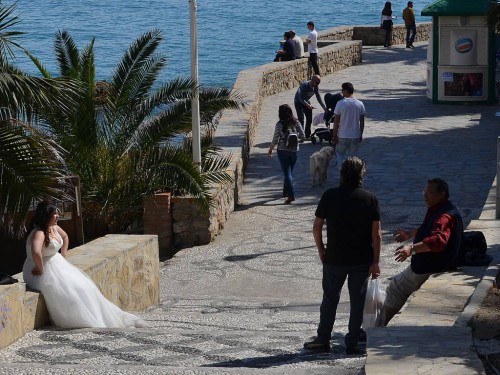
(312, 47)
(348, 124)
(298, 45)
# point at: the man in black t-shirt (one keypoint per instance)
(354, 236)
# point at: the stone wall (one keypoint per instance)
(342, 47)
(124, 267)
(157, 220)
(374, 35)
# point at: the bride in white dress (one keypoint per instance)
(72, 298)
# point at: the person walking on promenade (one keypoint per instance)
(411, 27)
(354, 237)
(348, 123)
(287, 154)
(302, 104)
(298, 45)
(435, 247)
(312, 47)
(386, 23)
(287, 53)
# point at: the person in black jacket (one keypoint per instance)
(435, 247)
(288, 52)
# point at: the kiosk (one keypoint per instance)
(461, 52)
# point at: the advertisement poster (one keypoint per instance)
(463, 84)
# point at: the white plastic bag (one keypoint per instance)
(319, 119)
(374, 301)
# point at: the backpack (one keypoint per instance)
(291, 139)
(473, 249)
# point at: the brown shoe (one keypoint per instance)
(289, 200)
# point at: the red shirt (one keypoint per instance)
(441, 230)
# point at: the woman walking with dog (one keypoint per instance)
(287, 133)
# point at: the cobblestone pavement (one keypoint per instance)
(246, 302)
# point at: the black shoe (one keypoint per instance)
(408, 46)
(354, 350)
(362, 336)
(317, 345)
(411, 45)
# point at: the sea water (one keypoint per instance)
(232, 34)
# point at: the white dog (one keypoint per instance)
(319, 162)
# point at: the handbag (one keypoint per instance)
(374, 301)
(6, 279)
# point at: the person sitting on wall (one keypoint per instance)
(287, 53)
(298, 45)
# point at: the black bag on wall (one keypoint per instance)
(6, 279)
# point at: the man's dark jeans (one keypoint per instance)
(313, 59)
(412, 29)
(333, 280)
(301, 111)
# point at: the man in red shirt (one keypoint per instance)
(435, 247)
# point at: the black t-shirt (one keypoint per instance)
(349, 214)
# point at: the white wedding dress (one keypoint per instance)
(72, 298)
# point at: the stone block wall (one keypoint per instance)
(124, 267)
(374, 35)
(191, 226)
(157, 220)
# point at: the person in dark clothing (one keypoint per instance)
(288, 52)
(386, 23)
(302, 104)
(354, 236)
(435, 247)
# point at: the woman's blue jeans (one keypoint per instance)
(287, 161)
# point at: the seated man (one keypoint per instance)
(435, 247)
(287, 53)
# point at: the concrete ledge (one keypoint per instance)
(399, 350)
(124, 267)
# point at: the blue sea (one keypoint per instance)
(232, 34)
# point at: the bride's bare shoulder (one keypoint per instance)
(37, 234)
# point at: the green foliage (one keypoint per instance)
(123, 136)
(30, 162)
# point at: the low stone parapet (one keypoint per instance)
(125, 268)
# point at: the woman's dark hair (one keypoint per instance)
(352, 172)
(387, 11)
(43, 214)
(285, 115)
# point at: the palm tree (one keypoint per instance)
(123, 137)
(30, 162)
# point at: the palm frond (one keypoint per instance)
(27, 95)
(7, 37)
(130, 65)
(30, 165)
(67, 55)
(41, 68)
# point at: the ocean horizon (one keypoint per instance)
(233, 35)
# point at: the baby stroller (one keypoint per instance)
(331, 101)
(325, 133)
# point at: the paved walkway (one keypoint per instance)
(245, 303)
